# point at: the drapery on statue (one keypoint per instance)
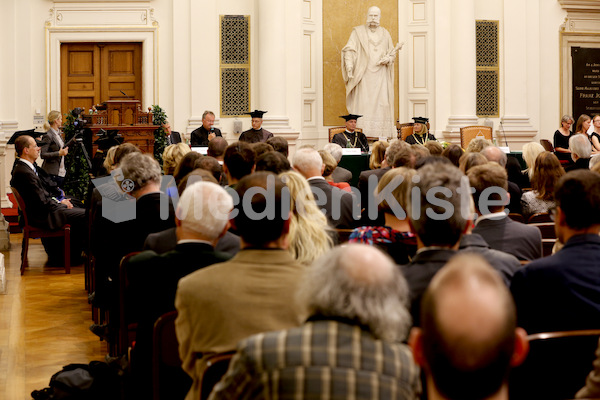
(368, 72)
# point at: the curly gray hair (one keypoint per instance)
(141, 169)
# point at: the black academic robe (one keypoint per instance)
(359, 143)
(255, 136)
(418, 139)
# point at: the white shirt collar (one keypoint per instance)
(314, 178)
(494, 216)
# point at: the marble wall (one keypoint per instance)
(339, 17)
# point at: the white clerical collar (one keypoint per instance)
(314, 178)
(194, 241)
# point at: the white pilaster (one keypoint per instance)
(463, 69)
(515, 122)
(271, 63)
(181, 64)
(7, 158)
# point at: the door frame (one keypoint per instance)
(148, 36)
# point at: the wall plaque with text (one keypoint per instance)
(586, 81)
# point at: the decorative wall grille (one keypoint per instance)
(235, 65)
(487, 68)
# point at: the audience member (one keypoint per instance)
(216, 148)
(340, 174)
(220, 305)
(453, 153)
(395, 236)
(493, 153)
(261, 148)
(330, 166)
(377, 154)
(562, 292)
(516, 174)
(279, 144)
(531, 151)
(595, 134)
(581, 151)
(434, 147)
(468, 341)
(561, 138)
(274, 162)
(205, 134)
(238, 161)
(591, 390)
(419, 151)
(172, 136)
(309, 236)
(357, 301)
(431, 160)
(211, 165)
(478, 144)
(202, 218)
(438, 226)
(173, 155)
(337, 205)
(546, 173)
(186, 165)
(493, 224)
(471, 159)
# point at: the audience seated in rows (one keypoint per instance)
(350, 346)
(478, 144)
(468, 340)
(395, 236)
(453, 153)
(274, 162)
(340, 174)
(546, 172)
(493, 224)
(434, 147)
(471, 159)
(530, 153)
(216, 148)
(212, 166)
(172, 155)
(377, 154)
(581, 151)
(493, 153)
(310, 235)
(186, 165)
(253, 292)
(562, 292)
(337, 204)
(202, 218)
(330, 166)
(279, 144)
(261, 148)
(238, 161)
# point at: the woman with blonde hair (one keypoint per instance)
(530, 152)
(377, 154)
(309, 235)
(395, 237)
(172, 156)
(52, 149)
(546, 173)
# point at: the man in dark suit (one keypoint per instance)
(153, 278)
(341, 208)
(437, 238)
(207, 132)
(172, 136)
(340, 174)
(562, 292)
(43, 209)
(494, 153)
(493, 224)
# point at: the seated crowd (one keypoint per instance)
(433, 296)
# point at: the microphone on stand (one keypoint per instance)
(124, 94)
(503, 133)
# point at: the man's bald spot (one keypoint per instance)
(494, 153)
(366, 265)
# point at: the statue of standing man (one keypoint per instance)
(368, 72)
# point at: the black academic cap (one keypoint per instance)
(421, 120)
(256, 113)
(29, 132)
(350, 116)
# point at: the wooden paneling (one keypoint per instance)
(92, 73)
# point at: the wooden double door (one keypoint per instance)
(92, 73)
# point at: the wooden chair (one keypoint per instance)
(557, 365)
(539, 217)
(126, 330)
(548, 236)
(516, 217)
(404, 130)
(339, 129)
(169, 381)
(468, 133)
(547, 145)
(30, 232)
(215, 367)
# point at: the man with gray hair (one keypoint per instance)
(206, 132)
(340, 174)
(337, 205)
(202, 218)
(581, 151)
(439, 215)
(349, 347)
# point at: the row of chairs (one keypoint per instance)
(544, 223)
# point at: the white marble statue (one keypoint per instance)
(368, 72)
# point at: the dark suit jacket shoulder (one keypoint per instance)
(199, 136)
(336, 204)
(49, 149)
(341, 174)
(506, 264)
(520, 240)
(166, 240)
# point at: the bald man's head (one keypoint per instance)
(468, 329)
(360, 283)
